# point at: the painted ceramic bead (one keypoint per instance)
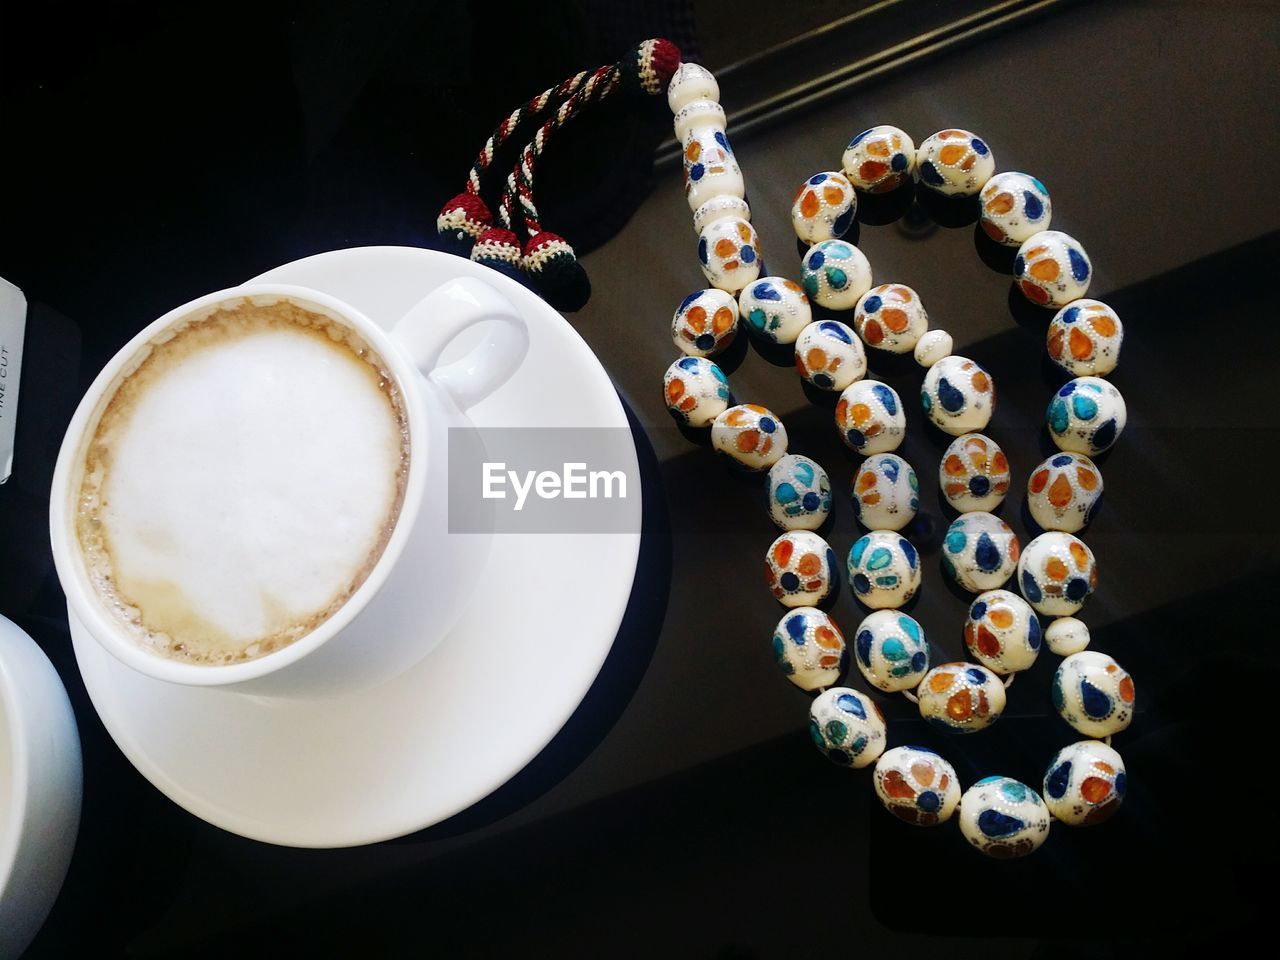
(1052, 269)
(891, 317)
(750, 435)
(1094, 694)
(1063, 492)
(829, 356)
(690, 82)
(880, 159)
(717, 208)
(799, 493)
(847, 726)
(727, 250)
(870, 418)
(884, 570)
(1003, 818)
(699, 114)
(932, 346)
(824, 207)
(1086, 415)
(835, 274)
(958, 395)
(809, 648)
(1015, 207)
(1084, 338)
(1002, 632)
(800, 569)
(979, 552)
(974, 473)
(775, 308)
(886, 492)
(1056, 573)
(705, 322)
(1066, 636)
(1085, 783)
(917, 785)
(955, 163)
(891, 651)
(696, 390)
(710, 168)
(961, 697)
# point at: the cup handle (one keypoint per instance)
(444, 313)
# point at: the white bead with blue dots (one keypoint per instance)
(1004, 818)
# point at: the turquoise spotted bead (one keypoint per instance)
(1086, 415)
(961, 697)
(1003, 818)
(847, 727)
(1056, 573)
(1052, 269)
(886, 492)
(980, 552)
(891, 651)
(775, 308)
(1002, 632)
(696, 391)
(884, 570)
(809, 648)
(955, 163)
(1085, 783)
(799, 493)
(958, 395)
(835, 273)
(1094, 694)
(917, 785)
(1015, 207)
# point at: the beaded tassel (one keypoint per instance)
(466, 224)
(464, 218)
(549, 260)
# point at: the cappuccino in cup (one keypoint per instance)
(243, 477)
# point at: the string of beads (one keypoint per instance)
(1086, 781)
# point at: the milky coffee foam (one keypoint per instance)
(242, 481)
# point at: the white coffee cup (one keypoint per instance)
(424, 576)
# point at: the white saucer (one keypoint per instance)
(390, 761)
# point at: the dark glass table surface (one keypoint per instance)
(682, 812)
